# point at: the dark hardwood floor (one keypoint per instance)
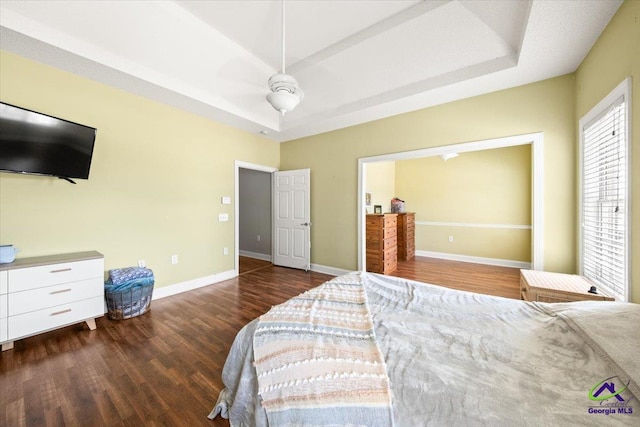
(465, 276)
(163, 368)
(247, 264)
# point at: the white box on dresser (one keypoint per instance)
(43, 293)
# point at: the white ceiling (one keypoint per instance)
(356, 61)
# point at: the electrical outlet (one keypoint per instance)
(450, 239)
(141, 263)
(174, 259)
(258, 237)
(223, 217)
(225, 251)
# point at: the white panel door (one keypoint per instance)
(292, 219)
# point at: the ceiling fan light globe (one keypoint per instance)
(283, 100)
(282, 81)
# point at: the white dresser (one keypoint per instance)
(43, 293)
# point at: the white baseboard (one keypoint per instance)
(475, 259)
(178, 288)
(256, 255)
(189, 285)
(318, 268)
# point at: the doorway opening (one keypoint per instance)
(536, 140)
(253, 212)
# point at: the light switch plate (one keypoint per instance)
(223, 217)
(226, 200)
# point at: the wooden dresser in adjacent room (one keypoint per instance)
(382, 243)
(406, 236)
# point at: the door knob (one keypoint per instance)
(306, 224)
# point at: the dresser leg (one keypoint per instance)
(7, 346)
(91, 323)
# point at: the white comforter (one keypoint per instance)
(458, 358)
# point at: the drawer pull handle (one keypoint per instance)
(61, 291)
(61, 312)
(62, 270)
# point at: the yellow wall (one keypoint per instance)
(158, 172)
(381, 183)
(615, 56)
(155, 184)
(496, 243)
(547, 106)
(480, 187)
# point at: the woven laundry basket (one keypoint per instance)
(129, 302)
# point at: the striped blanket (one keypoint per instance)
(318, 362)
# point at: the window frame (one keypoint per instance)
(622, 90)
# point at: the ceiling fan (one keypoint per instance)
(285, 93)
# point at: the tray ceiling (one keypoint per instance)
(357, 61)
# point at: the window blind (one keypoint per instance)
(604, 204)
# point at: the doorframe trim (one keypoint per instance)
(536, 140)
(236, 210)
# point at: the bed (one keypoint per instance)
(448, 357)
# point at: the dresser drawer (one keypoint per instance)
(390, 254)
(390, 221)
(390, 266)
(411, 252)
(3, 296)
(50, 296)
(3, 306)
(3, 282)
(3, 330)
(411, 228)
(390, 243)
(390, 232)
(54, 317)
(46, 275)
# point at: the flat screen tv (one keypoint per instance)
(36, 143)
